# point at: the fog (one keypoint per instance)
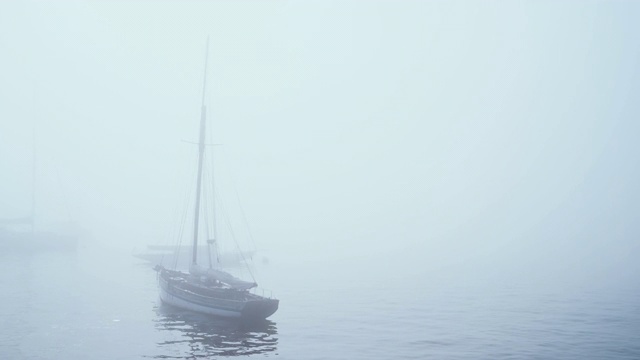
(416, 139)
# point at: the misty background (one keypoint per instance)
(484, 141)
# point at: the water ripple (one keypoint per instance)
(190, 335)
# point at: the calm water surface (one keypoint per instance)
(100, 304)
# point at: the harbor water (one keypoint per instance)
(103, 304)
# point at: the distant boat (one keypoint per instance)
(21, 240)
(210, 290)
(21, 234)
(179, 256)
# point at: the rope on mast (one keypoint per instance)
(235, 240)
(187, 203)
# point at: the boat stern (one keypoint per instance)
(260, 309)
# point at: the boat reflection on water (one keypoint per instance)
(201, 336)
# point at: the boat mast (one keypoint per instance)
(201, 145)
(33, 183)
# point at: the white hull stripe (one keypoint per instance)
(181, 303)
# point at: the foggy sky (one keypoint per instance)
(498, 136)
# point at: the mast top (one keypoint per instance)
(204, 82)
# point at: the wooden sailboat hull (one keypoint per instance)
(182, 303)
(252, 307)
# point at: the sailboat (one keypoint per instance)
(22, 235)
(210, 290)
